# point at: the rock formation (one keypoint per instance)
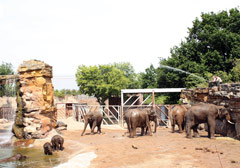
(35, 115)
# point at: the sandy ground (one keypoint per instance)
(114, 149)
(164, 149)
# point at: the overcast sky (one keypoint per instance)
(68, 33)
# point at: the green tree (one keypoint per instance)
(62, 93)
(102, 81)
(6, 69)
(149, 78)
(128, 72)
(212, 45)
(236, 71)
(59, 93)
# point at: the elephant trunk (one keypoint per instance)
(85, 126)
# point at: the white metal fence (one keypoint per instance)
(112, 114)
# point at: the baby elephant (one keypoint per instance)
(47, 147)
(15, 157)
(57, 142)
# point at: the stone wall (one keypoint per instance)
(35, 115)
(227, 95)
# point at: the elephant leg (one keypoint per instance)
(180, 128)
(211, 129)
(173, 126)
(134, 132)
(155, 128)
(142, 131)
(93, 127)
(130, 127)
(54, 146)
(57, 146)
(149, 126)
(183, 126)
(61, 146)
(196, 134)
(131, 133)
(99, 129)
(188, 130)
(146, 130)
(91, 124)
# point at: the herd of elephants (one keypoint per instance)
(185, 116)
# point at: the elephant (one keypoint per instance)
(57, 142)
(15, 157)
(93, 119)
(152, 117)
(177, 116)
(137, 118)
(204, 113)
(47, 147)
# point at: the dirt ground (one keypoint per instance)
(164, 149)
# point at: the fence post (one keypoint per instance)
(121, 111)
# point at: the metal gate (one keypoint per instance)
(111, 114)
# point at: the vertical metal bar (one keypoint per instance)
(153, 100)
(121, 112)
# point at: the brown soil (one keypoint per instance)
(164, 149)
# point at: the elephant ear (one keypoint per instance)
(221, 111)
(152, 112)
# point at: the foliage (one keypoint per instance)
(7, 89)
(236, 71)
(159, 99)
(62, 93)
(103, 81)
(128, 72)
(6, 69)
(212, 47)
(149, 78)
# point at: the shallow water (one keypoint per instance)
(5, 136)
(36, 158)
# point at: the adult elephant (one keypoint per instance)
(93, 119)
(177, 116)
(137, 118)
(204, 113)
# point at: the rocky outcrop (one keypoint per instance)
(227, 95)
(35, 115)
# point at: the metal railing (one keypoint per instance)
(112, 114)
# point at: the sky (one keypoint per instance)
(69, 33)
